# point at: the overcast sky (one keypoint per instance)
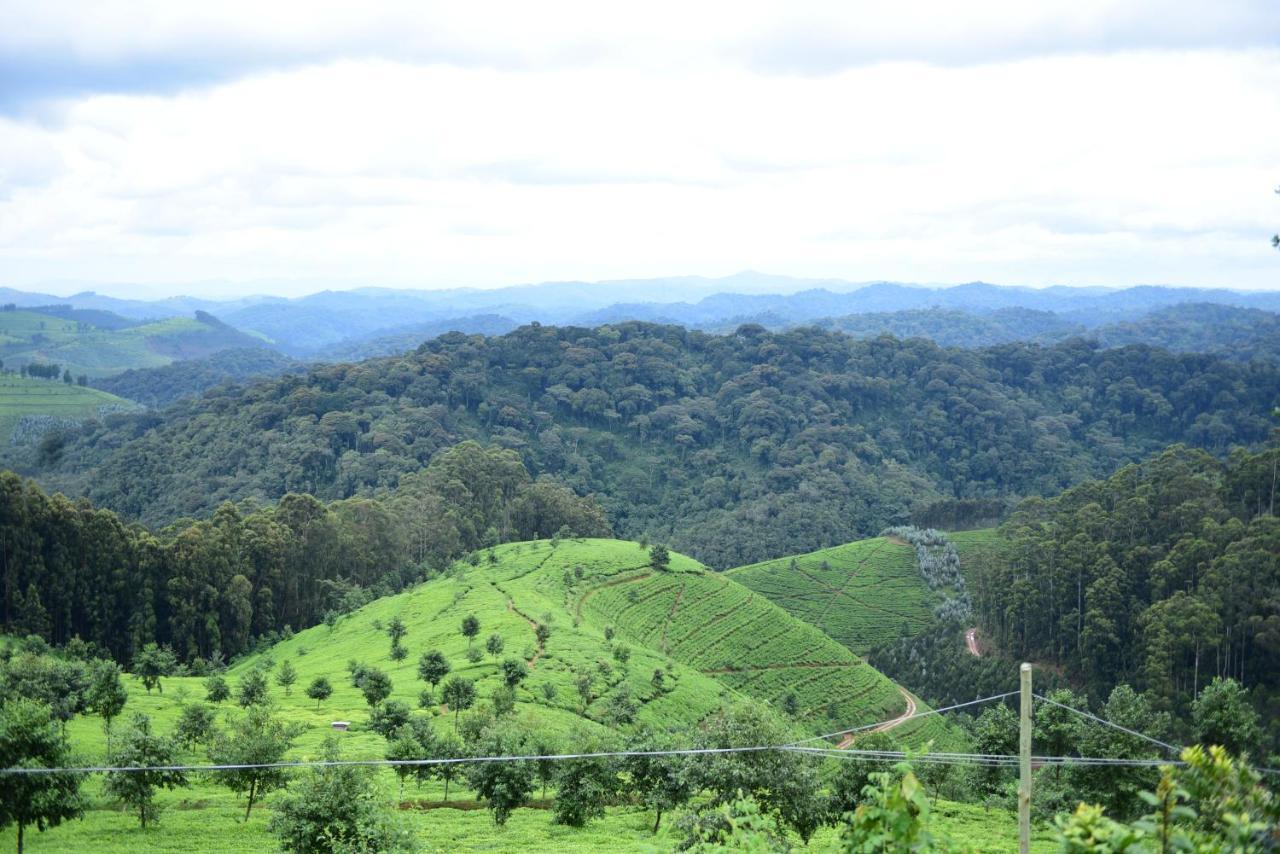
(236, 147)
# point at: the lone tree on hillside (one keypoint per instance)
(494, 645)
(107, 694)
(448, 746)
(141, 748)
(584, 786)
(375, 685)
(151, 663)
(503, 785)
(433, 667)
(29, 736)
(660, 558)
(514, 671)
(470, 627)
(337, 808)
(396, 630)
(253, 689)
(286, 677)
(319, 690)
(255, 739)
(459, 694)
(661, 781)
(215, 689)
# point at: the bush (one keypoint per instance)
(336, 809)
(195, 725)
(388, 717)
(503, 785)
(216, 689)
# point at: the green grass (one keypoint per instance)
(32, 337)
(723, 629)
(21, 396)
(579, 587)
(861, 594)
(205, 818)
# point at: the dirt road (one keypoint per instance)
(887, 725)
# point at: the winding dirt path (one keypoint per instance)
(626, 579)
(971, 641)
(887, 725)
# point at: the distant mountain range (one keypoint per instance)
(354, 324)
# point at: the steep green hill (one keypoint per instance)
(708, 636)
(712, 623)
(869, 592)
(861, 594)
(525, 585)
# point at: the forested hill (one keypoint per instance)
(163, 385)
(1164, 575)
(245, 572)
(730, 448)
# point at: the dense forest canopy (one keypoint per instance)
(731, 448)
(211, 587)
(1164, 575)
(158, 387)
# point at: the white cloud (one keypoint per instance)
(659, 145)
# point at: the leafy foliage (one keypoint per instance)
(30, 738)
(139, 747)
(215, 587)
(336, 809)
(1165, 575)
(256, 738)
(732, 448)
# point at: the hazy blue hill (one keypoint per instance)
(401, 340)
(157, 387)
(954, 328)
(99, 318)
(306, 326)
(1236, 333)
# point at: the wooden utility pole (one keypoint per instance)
(1024, 762)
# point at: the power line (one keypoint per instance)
(993, 760)
(891, 720)
(987, 759)
(1097, 719)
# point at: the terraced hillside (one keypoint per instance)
(523, 584)
(711, 638)
(861, 594)
(723, 629)
(708, 635)
(48, 401)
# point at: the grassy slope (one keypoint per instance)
(860, 593)
(863, 593)
(536, 580)
(710, 622)
(21, 396)
(102, 352)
